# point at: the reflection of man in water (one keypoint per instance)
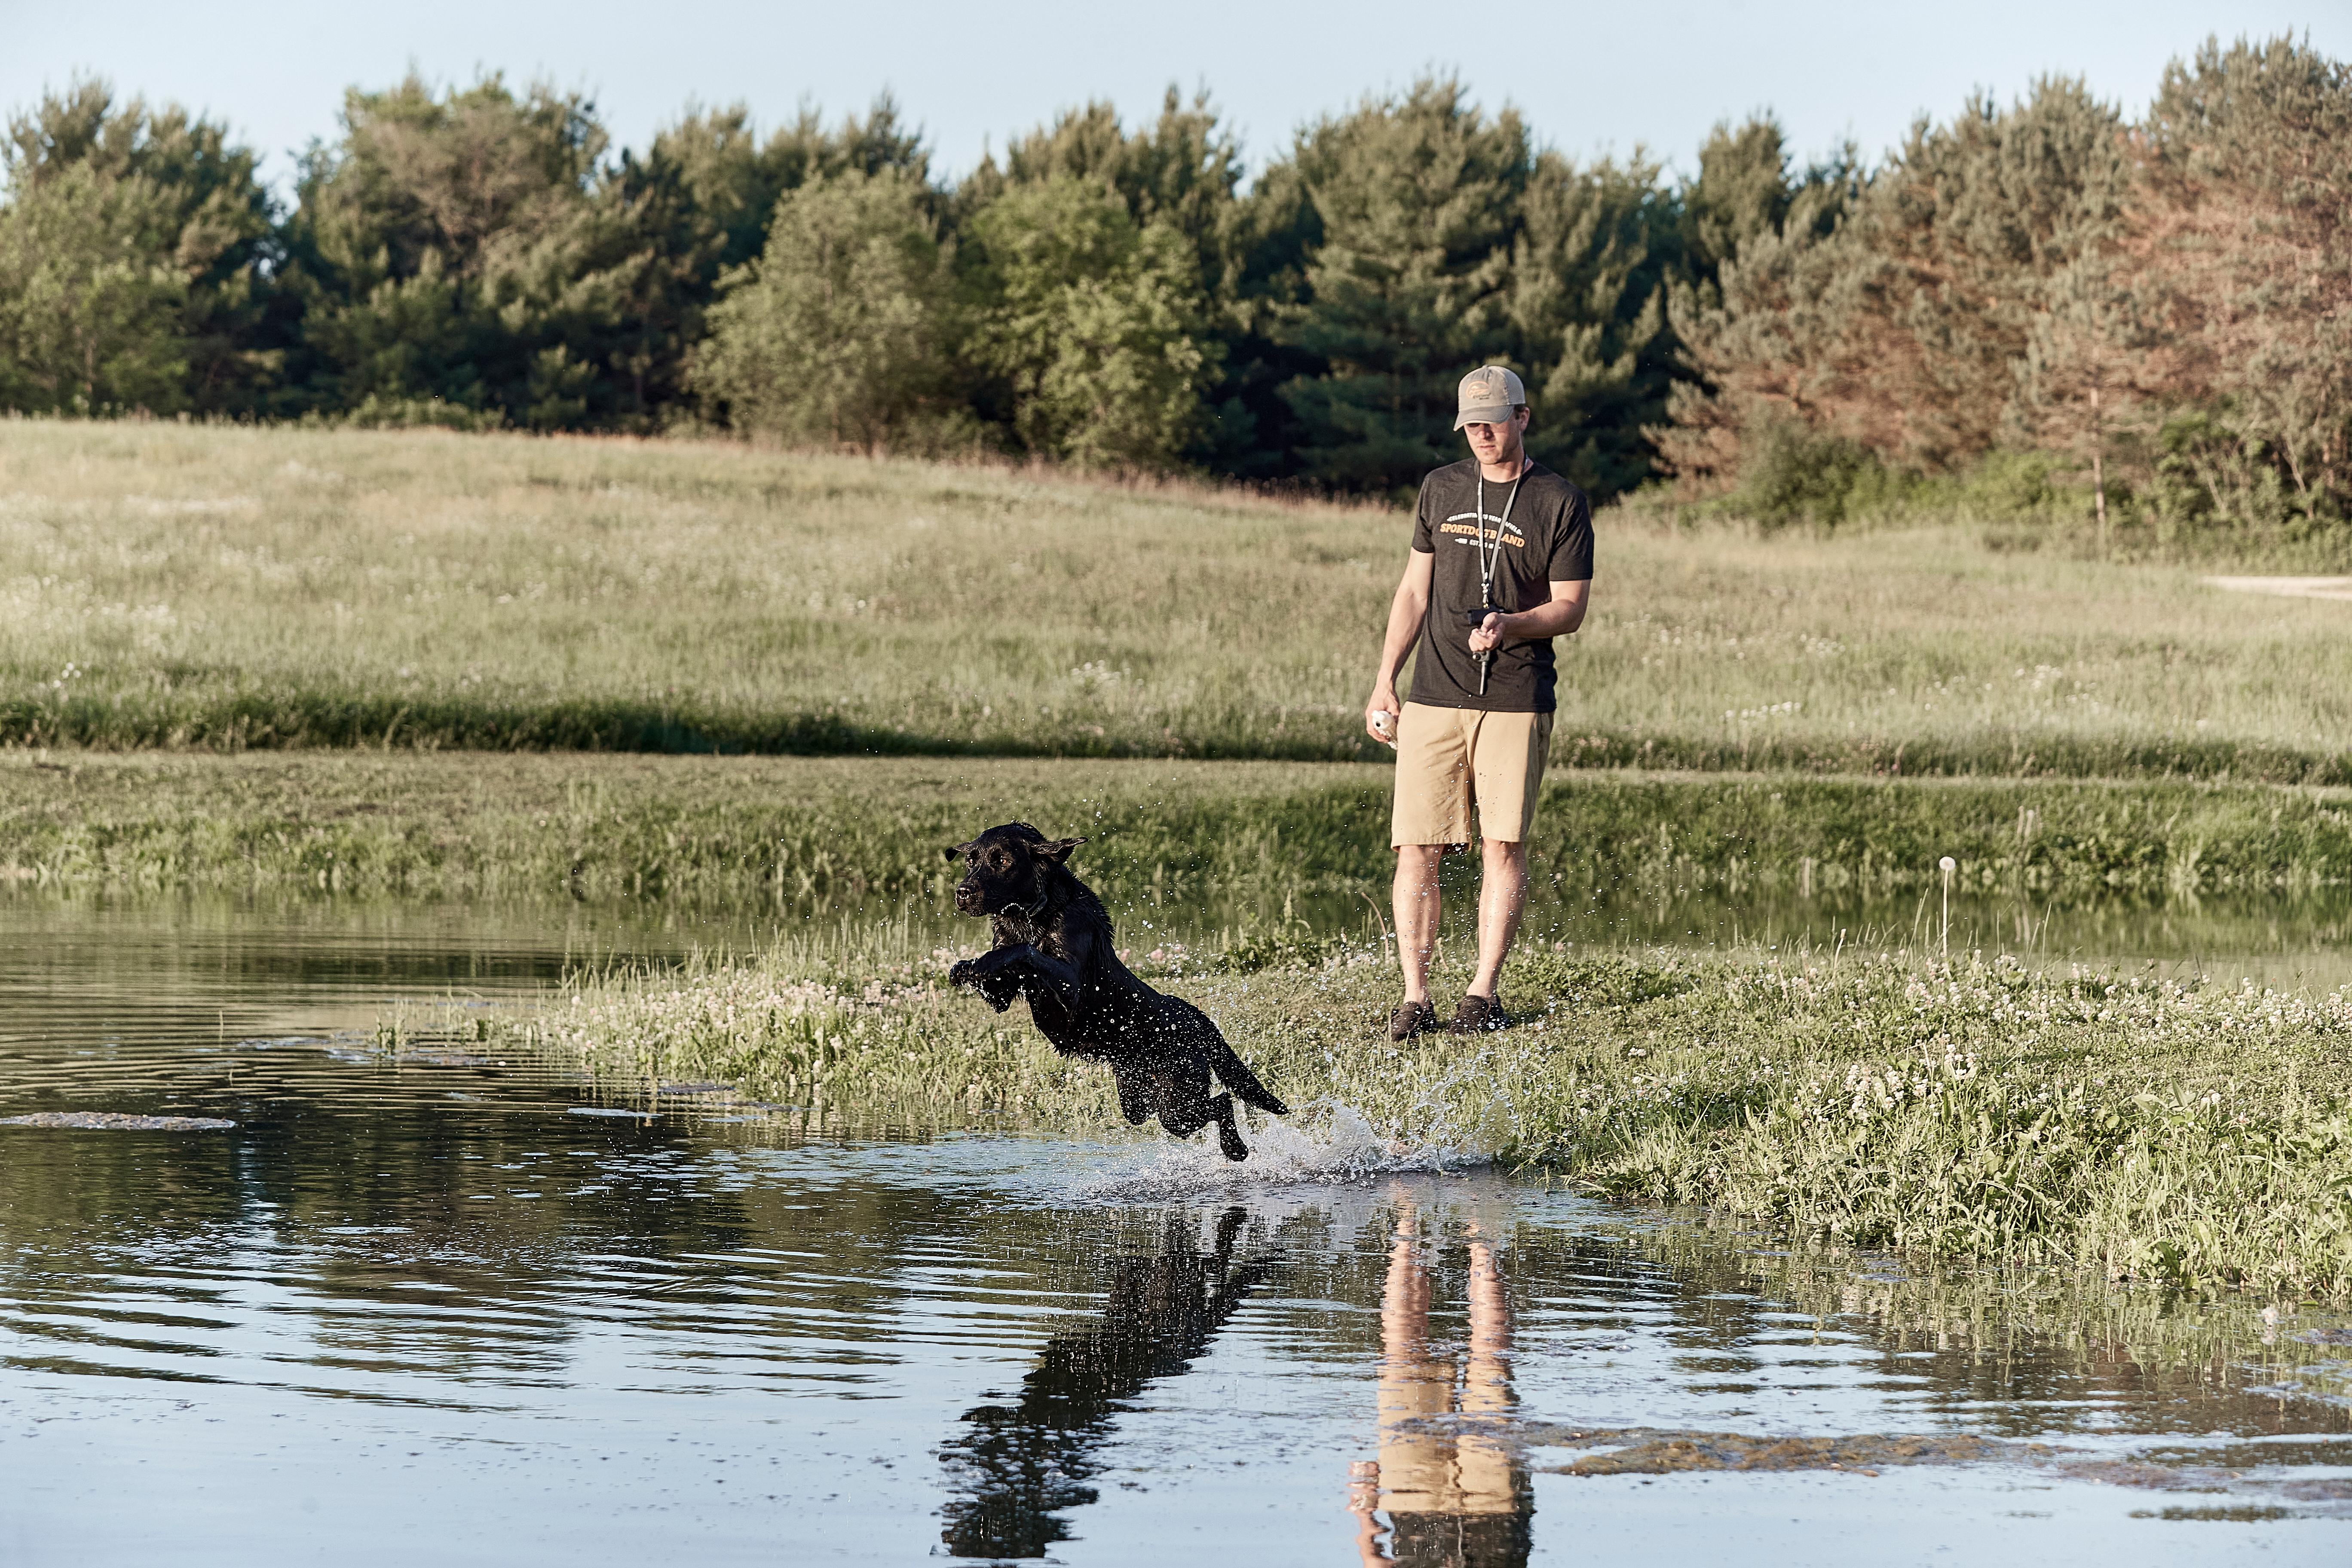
(1459, 1502)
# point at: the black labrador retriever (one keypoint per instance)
(1053, 945)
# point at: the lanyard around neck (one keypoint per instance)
(1489, 562)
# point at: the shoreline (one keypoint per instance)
(1975, 1110)
(761, 831)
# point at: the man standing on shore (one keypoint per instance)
(1501, 563)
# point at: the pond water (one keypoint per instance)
(435, 1308)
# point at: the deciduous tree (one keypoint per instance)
(837, 334)
(1093, 328)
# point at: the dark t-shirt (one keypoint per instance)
(1548, 539)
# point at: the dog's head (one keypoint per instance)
(1011, 866)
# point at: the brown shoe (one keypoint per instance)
(1478, 1015)
(1411, 1018)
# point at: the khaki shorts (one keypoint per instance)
(1448, 758)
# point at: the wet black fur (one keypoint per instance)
(1053, 945)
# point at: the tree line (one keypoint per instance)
(2150, 314)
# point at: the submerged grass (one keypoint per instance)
(787, 832)
(2196, 1136)
(1959, 1311)
(230, 589)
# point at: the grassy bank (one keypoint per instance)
(230, 589)
(749, 830)
(715, 830)
(1974, 1110)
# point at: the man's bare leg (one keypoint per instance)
(1415, 899)
(1501, 899)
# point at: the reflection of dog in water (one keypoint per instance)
(1053, 945)
(1019, 1464)
(1459, 1500)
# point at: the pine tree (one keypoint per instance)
(1743, 192)
(1895, 317)
(1586, 314)
(1417, 202)
(2244, 243)
(133, 256)
(418, 240)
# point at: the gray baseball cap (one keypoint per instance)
(1489, 395)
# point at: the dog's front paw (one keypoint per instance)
(966, 972)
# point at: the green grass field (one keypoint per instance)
(225, 589)
(2192, 1136)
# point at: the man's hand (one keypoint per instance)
(1406, 613)
(1557, 617)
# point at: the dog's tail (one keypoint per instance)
(1236, 1075)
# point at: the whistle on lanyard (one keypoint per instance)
(1477, 619)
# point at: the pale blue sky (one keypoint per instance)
(1589, 77)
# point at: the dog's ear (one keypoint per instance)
(958, 851)
(1056, 849)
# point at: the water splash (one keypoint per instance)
(1325, 1142)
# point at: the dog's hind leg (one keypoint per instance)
(1184, 1121)
(1236, 1075)
(1229, 1137)
(1200, 1032)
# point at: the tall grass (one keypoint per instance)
(2019, 502)
(162, 585)
(1974, 1108)
(735, 831)
(782, 832)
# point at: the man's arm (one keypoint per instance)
(1562, 615)
(1406, 612)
